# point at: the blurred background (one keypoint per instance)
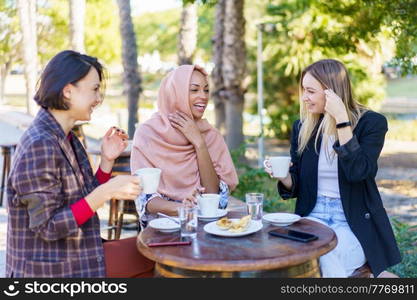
(254, 52)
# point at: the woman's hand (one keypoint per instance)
(124, 187)
(112, 145)
(187, 126)
(268, 169)
(191, 200)
(335, 106)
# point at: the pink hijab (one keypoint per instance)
(159, 145)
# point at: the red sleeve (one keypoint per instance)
(81, 211)
(102, 177)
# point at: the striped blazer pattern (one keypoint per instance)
(49, 173)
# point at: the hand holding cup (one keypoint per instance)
(278, 166)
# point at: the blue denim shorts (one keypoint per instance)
(348, 255)
(329, 210)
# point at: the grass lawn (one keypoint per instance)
(402, 87)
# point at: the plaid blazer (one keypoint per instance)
(49, 174)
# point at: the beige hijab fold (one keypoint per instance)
(159, 145)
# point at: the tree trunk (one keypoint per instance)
(233, 71)
(187, 38)
(27, 17)
(77, 14)
(131, 76)
(216, 75)
(234, 119)
(4, 70)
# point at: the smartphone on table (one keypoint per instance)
(293, 234)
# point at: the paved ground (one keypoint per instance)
(397, 175)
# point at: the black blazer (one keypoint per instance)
(357, 168)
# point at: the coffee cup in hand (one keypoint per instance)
(278, 166)
(149, 178)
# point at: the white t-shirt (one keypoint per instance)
(328, 179)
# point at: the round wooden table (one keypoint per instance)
(255, 255)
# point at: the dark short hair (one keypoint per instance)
(66, 67)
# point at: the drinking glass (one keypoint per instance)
(188, 216)
(254, 204)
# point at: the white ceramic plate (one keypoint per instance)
(220, 213)
(164, 225)
(212, 228)
(281, 219)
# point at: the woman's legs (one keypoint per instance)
(348, 255)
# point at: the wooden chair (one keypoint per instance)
(7, 152)
(120, 207)
(362, 272)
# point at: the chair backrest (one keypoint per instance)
(362, 272)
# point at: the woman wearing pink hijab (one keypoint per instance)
(189, 151)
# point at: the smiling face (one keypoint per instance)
(198, 94)
(83, 96)
(313, 94)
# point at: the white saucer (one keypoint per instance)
(281, 219)
(164, 225)
(220, 213)
(212, 228)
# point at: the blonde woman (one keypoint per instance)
(334, 151)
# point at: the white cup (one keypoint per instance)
(279, 165)
(208, 204)
(149, 178)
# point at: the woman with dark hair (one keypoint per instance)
(334, 151)
(53, 230)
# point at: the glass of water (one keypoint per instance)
(254, 204)
(188, 216)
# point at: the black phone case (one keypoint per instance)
(285, 236)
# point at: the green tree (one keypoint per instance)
(77, 20)
(10, 41)
(27, 20)
(395, 17)
(309, 30)
(131, 76)
(101, 35)
(187, 36)
(158, 31)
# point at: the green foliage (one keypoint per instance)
(400, 17)
(406, 237)
(102, 35)
(10, 41)
(371, 17)
(257, 180)
(53, 33)
(310, 30)
(158, 31)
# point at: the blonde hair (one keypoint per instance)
(331, 74)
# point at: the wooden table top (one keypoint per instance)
(257, 251)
